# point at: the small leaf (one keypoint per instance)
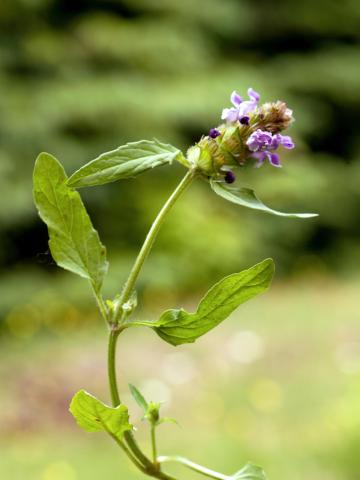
(177, 326)
(93, 416)
(74, 243)
(126, 161)
(138, 397)
(246, 197)
(249, 472)
(168, 420)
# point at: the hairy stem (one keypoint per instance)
(193, 466)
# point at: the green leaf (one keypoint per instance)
(74, 243)
(93, 416)
(177, 326)
(138, 397)
(246, 197)
(126, 161)
(249, 472)
(168, 420)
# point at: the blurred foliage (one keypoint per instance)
(79, 78)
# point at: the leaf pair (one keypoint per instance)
(74, 243)
(177, 326)
(134, 158)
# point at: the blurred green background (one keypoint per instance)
(279, 383)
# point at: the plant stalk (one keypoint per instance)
(114, 391)
(151, 468)
(153, 444)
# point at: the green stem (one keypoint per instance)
(135, 453)
(114, 391)
(151, 469)
(150, 238)
(193, 466)
(115, 397)
(153, 444)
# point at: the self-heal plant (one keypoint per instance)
(249, 132)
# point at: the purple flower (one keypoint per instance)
(241, 108)
(263, 144)
(258, 140)
(214, 132)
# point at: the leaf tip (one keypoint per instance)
(44, 157)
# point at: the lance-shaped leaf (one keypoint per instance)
(249, 472)
(74, 243)
(246, 197)
(138, 397)
(93, 415)
(126, 161)
(177, 326)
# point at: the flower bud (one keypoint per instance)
(214, 132)
(152, 414)
(229, 177)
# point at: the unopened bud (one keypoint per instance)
(230, 177)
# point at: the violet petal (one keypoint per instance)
(235, 99)
(274, 159)
(287, 142)
(253, 95)
(229, 114)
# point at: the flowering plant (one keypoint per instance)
(249, 132)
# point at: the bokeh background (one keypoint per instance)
(279, 382)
